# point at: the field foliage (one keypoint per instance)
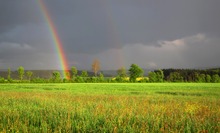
(152, 107)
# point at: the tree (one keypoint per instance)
(215, 78)
(94, 79)
(160, 75)
(196, 77)
(175, 77)
(156, 76)
(152, 76)
(201, 78)
(21, 72)
(84, 74)
(74, 71)
(208, 78)
(121, 75)
(9, 74)
(101, 77)
(56, 77)
(95, 66)
(122, 72)
(2, 80)
(79, 79)
(135, 71)
(29, 75)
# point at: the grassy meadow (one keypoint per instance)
(148, 107)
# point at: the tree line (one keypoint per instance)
(132, 75)
(192, 75)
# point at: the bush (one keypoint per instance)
(79, 79)
(66, 80)
(39, 80)
(2, 80)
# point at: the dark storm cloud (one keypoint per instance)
(15, 13)
(188, 52)
(100, 25)
(89, 27)
(164, 20)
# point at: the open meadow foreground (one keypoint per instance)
(131, 107)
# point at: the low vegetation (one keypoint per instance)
(153, 107)
(133, 75)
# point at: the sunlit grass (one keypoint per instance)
(110, 108)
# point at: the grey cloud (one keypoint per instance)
(15, 13)
(14, 55)
(11, 50)
(117, 23)
(187, 52)
(89, 28)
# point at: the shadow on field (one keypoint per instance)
(179, 93)
(138, 93)
(49, 88)
(25, 87)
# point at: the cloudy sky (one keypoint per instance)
(150, 33)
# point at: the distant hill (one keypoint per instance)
(46, 73)
(36, 73)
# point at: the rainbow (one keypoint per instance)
(55, 38)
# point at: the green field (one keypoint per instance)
(148, 107)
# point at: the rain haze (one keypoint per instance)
(150, 33)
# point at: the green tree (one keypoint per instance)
(152, 77)
(84, 76)
(84, 73)
(202, 78)
(160, 75)
(101, 77)
(21, 72)
(29, 75)
(56, 77)
(9, 75)
(175, 77)
(94, 79)
(79, 79)
(215, 78)
(208, 78)
(74, 71)
(196, 77)
(135, 71)
(2, 80)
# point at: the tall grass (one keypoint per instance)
(110, 108)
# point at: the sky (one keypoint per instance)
(150, 33)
